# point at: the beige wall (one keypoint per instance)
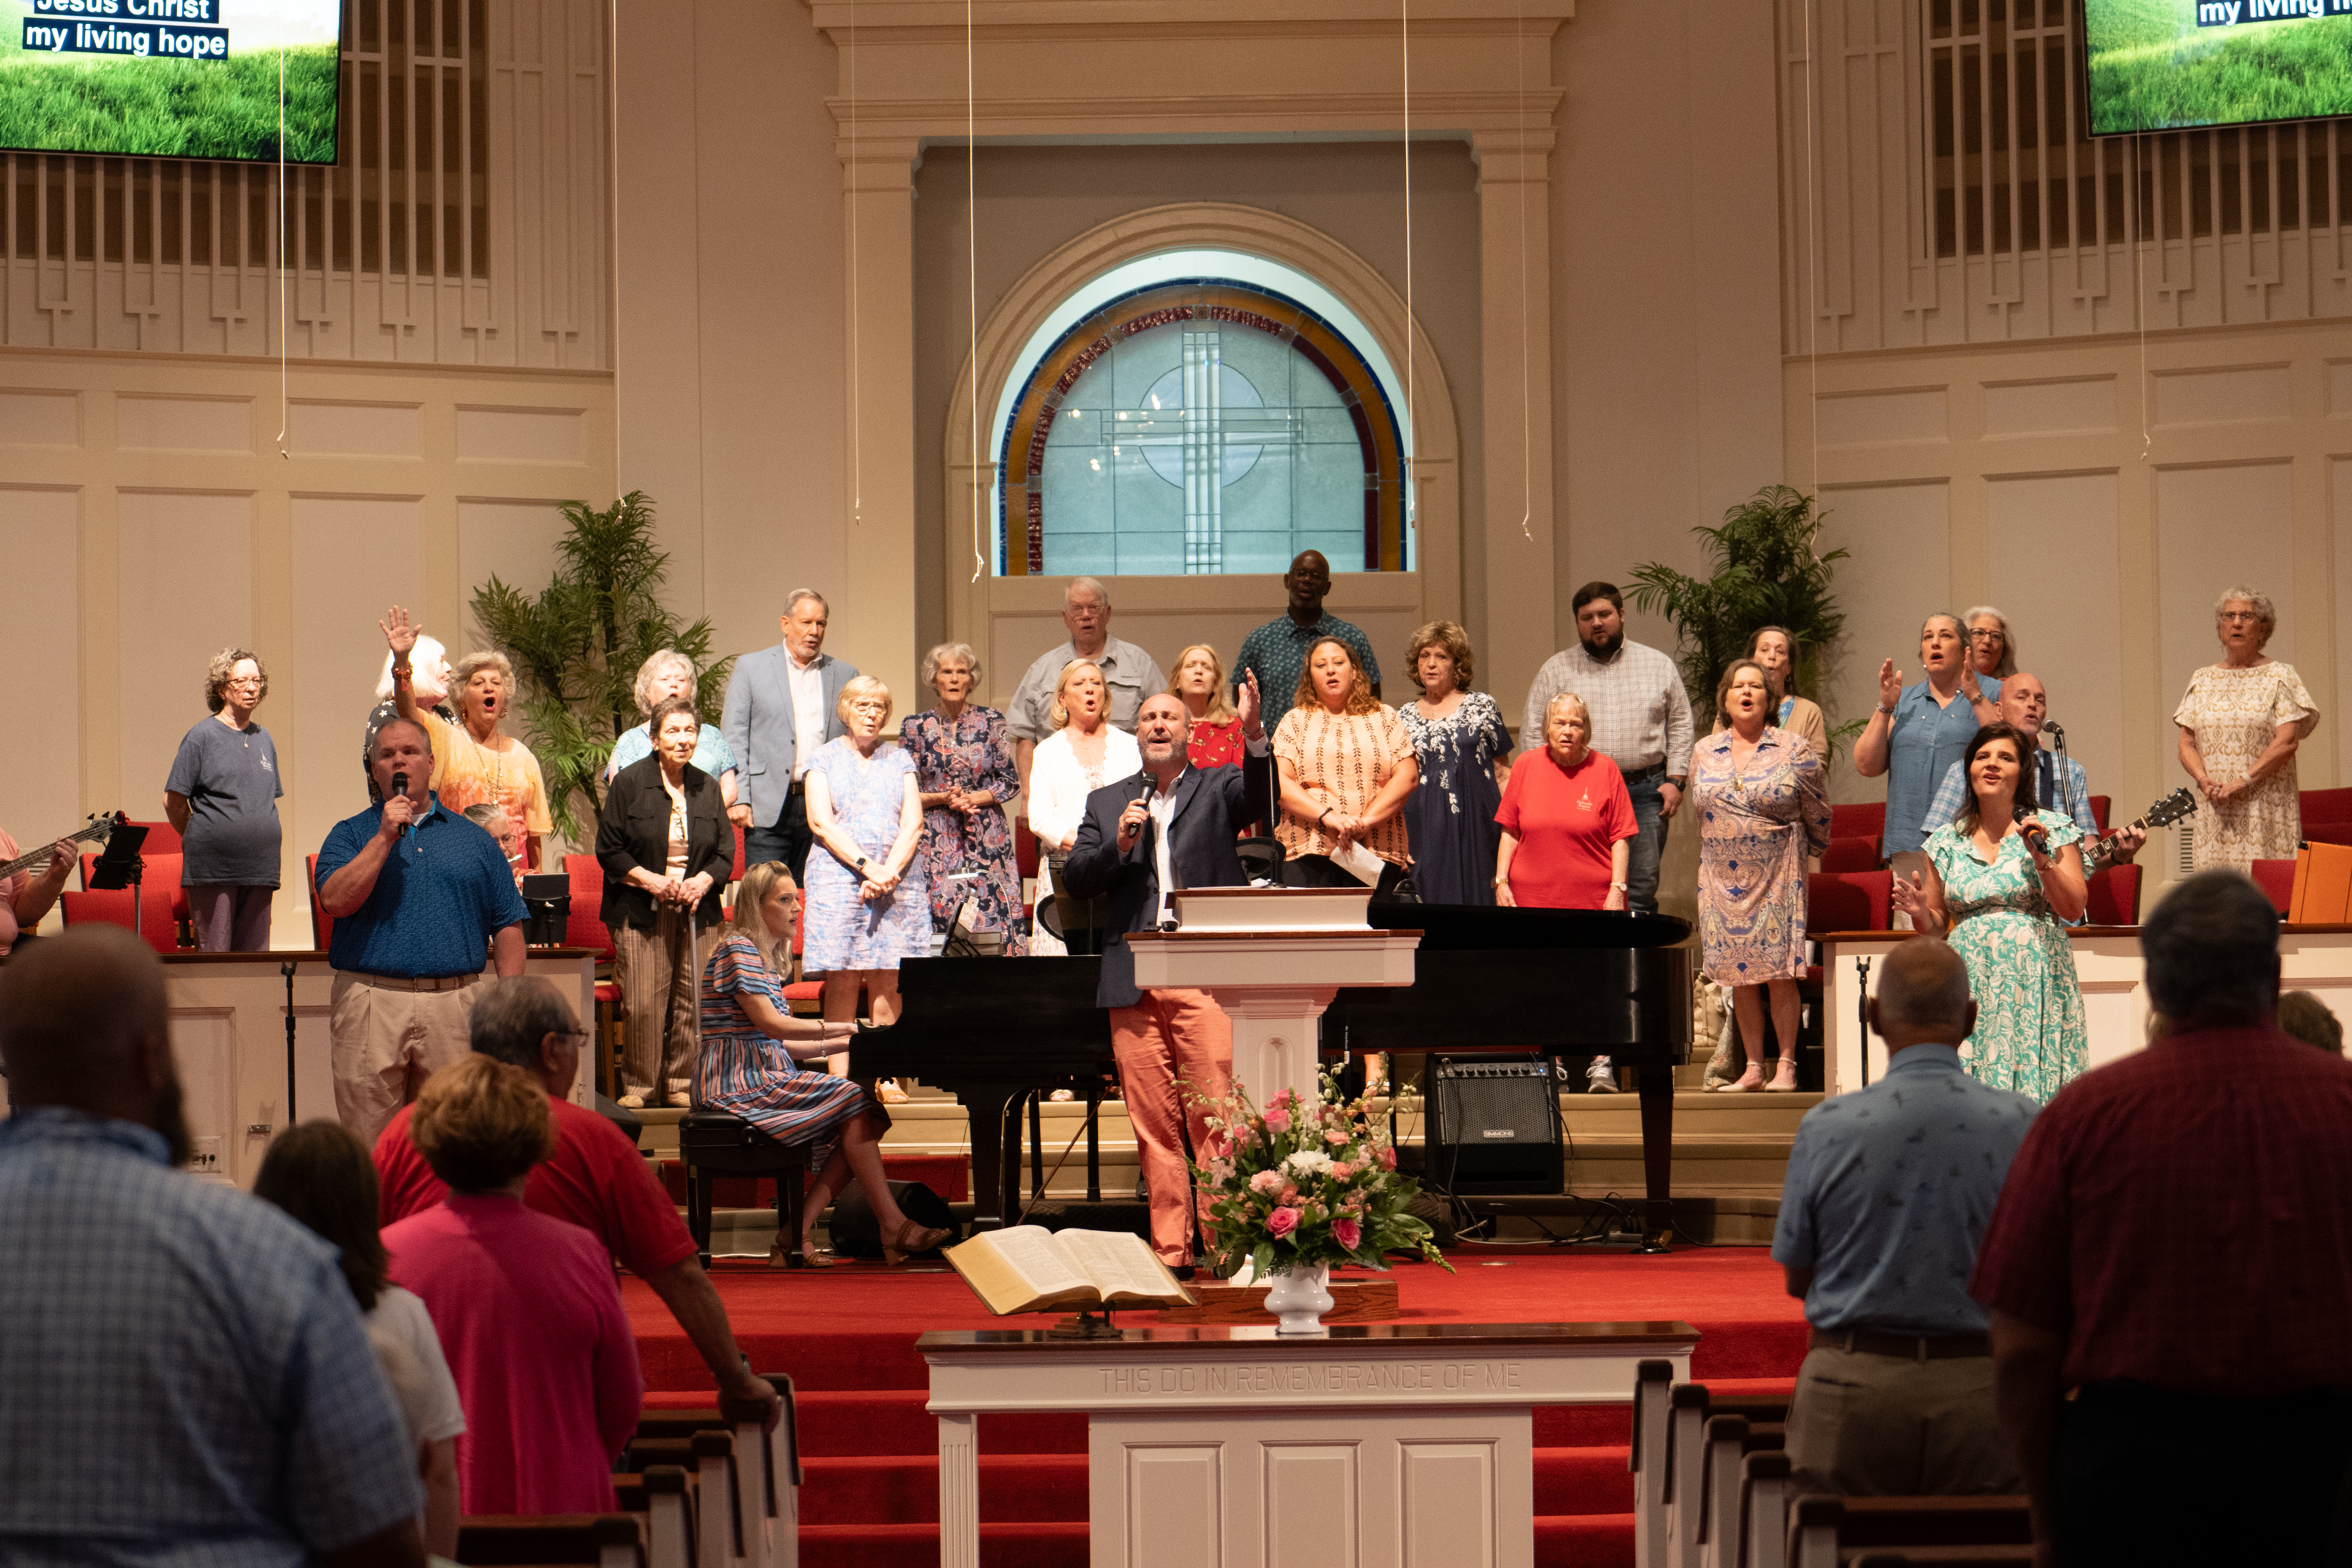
(2035, 478)
(153, 521)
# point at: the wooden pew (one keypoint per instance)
(1829, 1531)
(602, 1539)
(742, 1499)
(1764, 1509)
(1652, 1382)
(1687, 1417)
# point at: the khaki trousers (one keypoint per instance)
(660, 977)
(387, 1036)
(1883, 1426)
(1169, 1035)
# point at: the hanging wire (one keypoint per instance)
(972, 283)
(1411, 408)
(1527, 413)
(1813, 258)
(285, 403)
(857, 404)
(2139, 293)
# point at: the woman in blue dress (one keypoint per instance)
(867, 904)
(1464, 750)
(2000, 880)
(748, 1066)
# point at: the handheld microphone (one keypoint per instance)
(400, 786)
(2036, 837)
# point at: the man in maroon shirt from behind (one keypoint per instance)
(2175, 1242)
(596, 1179)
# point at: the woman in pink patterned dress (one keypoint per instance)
(963, 767)
(1762, 807)
(748, 1066)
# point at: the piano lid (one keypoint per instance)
(1476, 927)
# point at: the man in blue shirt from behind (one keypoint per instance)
(1889, 1190)
(185, 1378)
(419, 896)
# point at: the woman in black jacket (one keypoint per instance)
(663, 840)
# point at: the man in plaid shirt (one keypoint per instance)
(1641, 721)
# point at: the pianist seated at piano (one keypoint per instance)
(1169, 826)
(750, 1066)
(27, 896)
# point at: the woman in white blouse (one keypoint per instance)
(1082, 754)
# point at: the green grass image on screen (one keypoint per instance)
(165, 109)
(2152, 67)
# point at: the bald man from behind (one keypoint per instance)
(1889, 1194)
(184, 1376)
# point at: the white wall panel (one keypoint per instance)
(190, 596)
(184, 424)
(521, 435)
(1899, 574)
(2217, 528)
(354, 557)
(2223, 396)
(318, 429)
(1867, 418)
(40, 538)
(30, 418)
(512, 540)
(2049, 407)
(2052, 541)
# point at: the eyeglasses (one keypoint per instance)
(2249, 616)
(1984, 633)
(242, 680)
(576, 1036)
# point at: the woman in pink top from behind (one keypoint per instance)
(528, 1314)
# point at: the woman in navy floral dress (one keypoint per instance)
(963, 765)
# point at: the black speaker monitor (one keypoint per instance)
(1492, 1126)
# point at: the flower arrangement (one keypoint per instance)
(1305, 1183)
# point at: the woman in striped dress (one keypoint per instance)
(749, 1068)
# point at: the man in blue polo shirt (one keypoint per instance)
(1889, 1192)
(418, 894)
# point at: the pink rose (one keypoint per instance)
(1266, 1183)
(1347, 1233)
(1277, 1121)
(1282, 1096)
(1281, 1223)
(1289, 1192)
(1388, 1158)
(1335, 1138)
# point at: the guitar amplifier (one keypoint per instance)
(1494, 1126)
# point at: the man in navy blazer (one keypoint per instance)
(1169, 826)
(781, 707)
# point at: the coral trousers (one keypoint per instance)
(1175, 1050)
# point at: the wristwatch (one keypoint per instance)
(1617, 886)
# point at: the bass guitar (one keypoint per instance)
(2164, 812)
(101, 827)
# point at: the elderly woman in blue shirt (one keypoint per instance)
(666, 674)
(1919, 732)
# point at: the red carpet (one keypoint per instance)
(846, 1337)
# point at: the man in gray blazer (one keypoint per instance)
(780, 709)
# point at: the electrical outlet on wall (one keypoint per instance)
(206, 1159)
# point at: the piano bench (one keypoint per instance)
(718, 1143)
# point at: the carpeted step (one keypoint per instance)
(1001, 1546)
(1585, 1541)
(1014, 1488)
(1583, 1481)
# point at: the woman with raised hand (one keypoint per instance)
(1348, 766)
(868, 905)
(474, 759)
(1464, 751)
(2241, 723)
(1085, 752)
(1998, 883)
(1215, 740)
(752, 1052)
(1763, 808)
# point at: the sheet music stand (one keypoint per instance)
(120, 866)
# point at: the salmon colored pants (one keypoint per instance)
(1167, 1035)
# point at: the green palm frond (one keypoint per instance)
(1767, 571)
(578, 643)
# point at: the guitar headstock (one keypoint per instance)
(2180, 803)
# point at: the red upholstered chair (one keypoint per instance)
(322, 924)
(1024, 856)
(2099, 810)
(158, 911)
(2326, 805)
(2327, 832)
(1851, 855)
(2276, 878)
(1859, 819)
(806, 998)
(736, 874)
(583, 872)
(2115, 897)
(1849, 900)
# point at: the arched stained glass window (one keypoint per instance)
(1201, 426)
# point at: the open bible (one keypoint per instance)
(1028, 1268)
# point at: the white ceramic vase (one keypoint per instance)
(1298, 1297)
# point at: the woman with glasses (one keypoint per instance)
(1992, 648)
(2240, 721)
(222, 799)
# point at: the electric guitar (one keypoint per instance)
(101, 826)
(2168, 810)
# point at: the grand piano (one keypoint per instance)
(991, 1031)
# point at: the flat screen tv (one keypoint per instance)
(2163, 65)
(170, 79)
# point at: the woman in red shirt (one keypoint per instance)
(1567, 821)
(1200, 683)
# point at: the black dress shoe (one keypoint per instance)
(1183, 1271)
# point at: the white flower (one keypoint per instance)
(1308, 1162)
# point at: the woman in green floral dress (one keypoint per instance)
(1998, 882)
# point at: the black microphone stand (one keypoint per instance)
(287, 969)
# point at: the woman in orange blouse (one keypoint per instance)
(1348, 768)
